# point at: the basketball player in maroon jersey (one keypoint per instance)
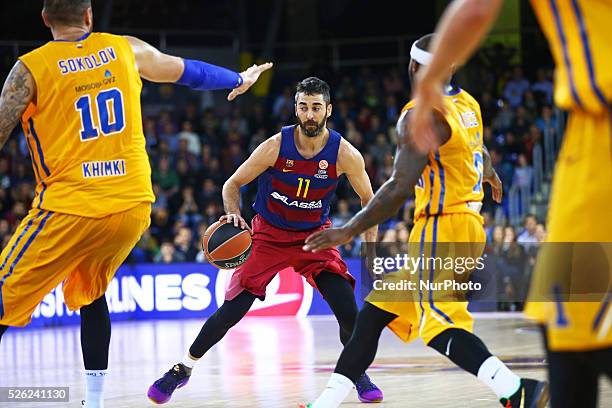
(298, 172)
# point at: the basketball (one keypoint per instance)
(225, 245)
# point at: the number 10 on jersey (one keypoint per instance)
(110, 118)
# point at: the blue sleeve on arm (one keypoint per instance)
(203, 76)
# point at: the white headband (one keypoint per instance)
(421, 56)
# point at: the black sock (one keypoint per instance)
(2, 330)
(339, 294)
(463, 348)
(95, 334)
(230, 313)
(361, 348)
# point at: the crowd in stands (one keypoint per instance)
(196, 144)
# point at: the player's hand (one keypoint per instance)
(237, 220)
(249, 77)
(428, 95)
(327, 239)
(497, 190)
(370, 255)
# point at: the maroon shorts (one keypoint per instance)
(275, 249)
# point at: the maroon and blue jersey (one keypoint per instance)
(295, 193)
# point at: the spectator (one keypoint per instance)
(393, 83)
(342, 215)
(488, 108)
(160, 224)
(183, 243)
(540, 233)
(546, 121)
(528, 237)
(521, 121)
(516, 88)
(351, 132)
(391, 109)
(166, 178)
(168, 254)
(523, 173)
(511, 268)
(169, 136)
(381, 148)
(193, 140)
(497, 239)
(283, 102)
(188, 211)
(543, 86)
(503, 168)
(186, 174)
(505, 117)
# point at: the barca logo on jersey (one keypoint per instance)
(289, 163)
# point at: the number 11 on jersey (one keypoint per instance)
(299, 189)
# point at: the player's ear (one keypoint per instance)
(45, 19)
(329, 110)
(89, 18)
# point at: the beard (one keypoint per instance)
(311, 128)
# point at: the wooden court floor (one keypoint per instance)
(264, 363)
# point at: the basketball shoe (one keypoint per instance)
(161, 390)
(367, 391)
(531, 394)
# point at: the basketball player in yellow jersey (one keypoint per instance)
(447, 182)
(578, 334)
(78, 98)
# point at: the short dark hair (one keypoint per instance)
(65, 11)
(313, 86)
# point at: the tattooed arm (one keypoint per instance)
(18, 91)
(407, 168)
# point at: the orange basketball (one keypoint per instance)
(225, 245)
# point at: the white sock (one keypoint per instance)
(498, 377)
(188, 361)
(94, 388)
(338, 387)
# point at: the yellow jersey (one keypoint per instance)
(84, 130)
(579, 37)
(452, 179)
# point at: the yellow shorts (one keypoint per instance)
(580, 211)
(49, 248)
(423, 316)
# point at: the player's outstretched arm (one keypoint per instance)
(461, 29)
(18, 91)
(407, 168)
(263, 157)
(156, 66)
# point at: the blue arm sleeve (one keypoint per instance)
(203, 76)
